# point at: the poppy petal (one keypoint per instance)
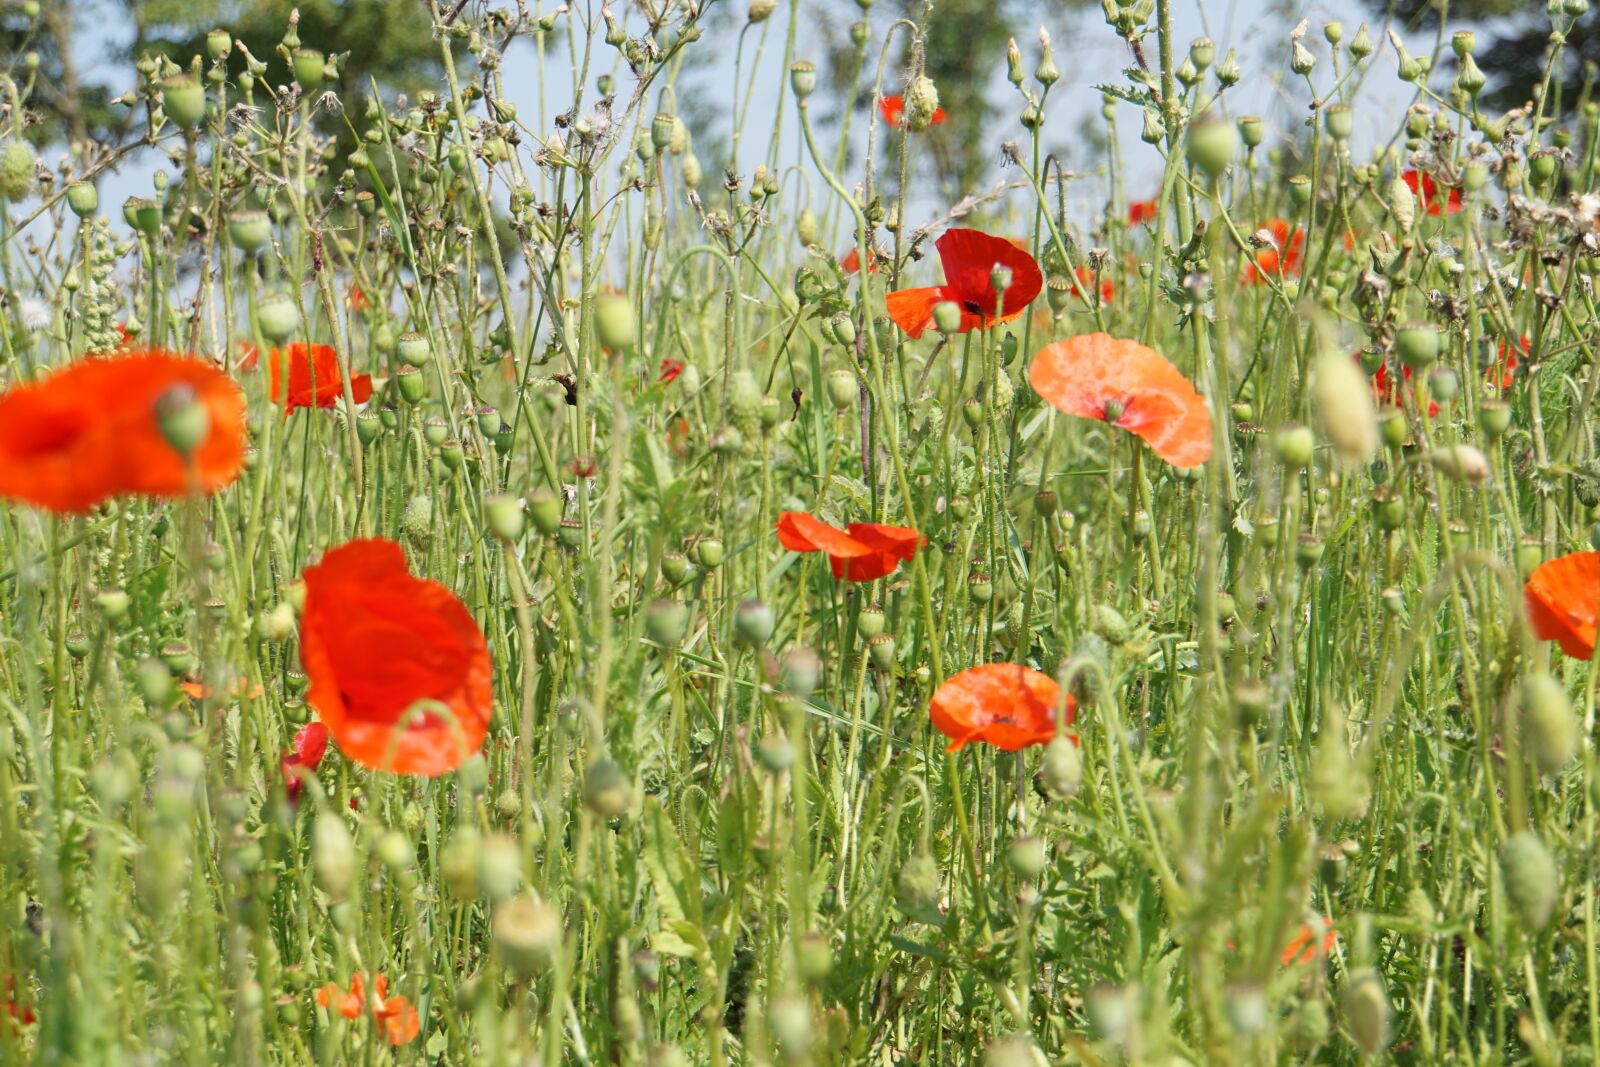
(969, 258)
(1004, 704)
(1084, 374)
(799, 532)
(912, 309)
(1563, 598)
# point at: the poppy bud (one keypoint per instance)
(1338, 784)
(458, 863)
(960, 508)
(691, 170)
(881, 651)
(1443, 385)
(980, 589)
(18, 172)
(921, 102)
(154, 682)
(527, 934)
(775, 752)
(666, 622)
(1365, 1003)
(1295, 447)
(333, 855)
(916, 890)
(728, 441)
(607, 791)
(83, 198)
(813, 956)
(394, 850)
(545, 508)
(1210, 146)
(412, 349)
(947, 317)
(803, 78)
(614, 322)
(844, 329)
(1025, 856)
(1228, 70)
(842, 388)
(499, 866)
(1109, 623)
(1109, 1009)
(708, 552)
(278, 317)
(1342, 401)
(309, 66)
(1062, 768)
(1550, 730)
(1460, 463)
(504, 516)
(1246, 1009)
(1533, 882)
(753, 622)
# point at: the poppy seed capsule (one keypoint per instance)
(185, 423)
(775, 753)
(606, 790)
(980, 589)
(1295, 446)
(1551, 732)
(960, 508)
(674, 567)
(666, 622)
(333, 855)
(1392, 427)
(183, 98)
(947, 317)
(614, 322)
(800, 670)
(916, 890)
(503, 514)
(708, 552)
(83, 198)
(1460, 463)
(368, 427)
(753, 622)
(153, 679)
(545, 509)
(1533, 882)
(844, 329)
(412, 349)
(309, 67)
(972, 412)
(278, 317)
(569, 534)
(881, 651)
(842, 388)
(499, 866)
(869, 621)
(526, 933)
(411, 383)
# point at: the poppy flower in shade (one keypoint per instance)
(851, 262)
(349, 1004)
(20, 1014)
(310, 745)
(1427, 192)
(1006, 705)
(670, 369)
(314, 379)
(1384, 391)
(249, 357)
(969, 258)
(357, 298)
(1085, 284)
(1306, 946)
(1097, 376)
(91, 431)
(1141, 212)
(863, 553)
(401, 1025)
(1563, 597)
(893, 110)
(382, 650)
(1507, 359)
(1283, 259)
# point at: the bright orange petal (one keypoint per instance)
(912, 309)
(1004, 704)
(1563, 600)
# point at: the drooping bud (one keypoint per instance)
(333, 855)
(1366, 1010)
(921, 102)
(1551, 732)
(1533, 882)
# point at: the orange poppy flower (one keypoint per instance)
(1006, 705)
(357, 299)
(1097, 376)
(865, 552)
(349, 1004)
(249, 357)
(1426, 190)
(1085, 284)
(401, 1024)
(1305, 946)
(851, 263)
(1141, 212)
(90, 431)
(893, 110)
(314, 379)
(1563, 597)
(1506, 362)
(1283, 260)
(969, 257)
(377, 643)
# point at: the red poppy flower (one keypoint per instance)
(863, 553)
(310, 744)
(1384, 391)
(1141, 212)
(357, 299)
(1006, 705)
(1281, 260)
(383, 651)
(398, 1016)
(851, 263)
(1305, 946)
(1097, 376)
(1563, 597)
(670, 369)
(350, 1004)
(20, 1014)
(314, 380)
(969, 257)
(1426, 190)
(90, 431)
(1085, 283)
(893, 110)
(1506, 362)
(249, 357)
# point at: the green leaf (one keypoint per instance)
(676, 880)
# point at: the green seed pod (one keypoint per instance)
(674, 567)
(803, 78)
(607, 791)
(545, 507)
(143, 214)
(1295, 446)
(708, 552)
(947, 317)
(1550, 730)
(1308, 1025)
(1533, 882)
(154, 682)
(526, 933)
(880, 650)
(666, 622)
(310, 67)
(1417, 345)
(278, 318)
(1300, 190)
(980, 589)
(458, 863)
(813, 956)
(1402, 204)
(614, 322)
(411, 383)
(1025, 856)
(1365, 1003)
(691, 170)
(870, 621)
(842, 388)
(413, 349)
(1494, 418)
(83, 198)
(960, 508)
(249, 230)
(499, 866)
(1062, 768)
(844, 329)
(183, 98)
(1109, 624)
(1339, 784)
(753, 622)
(1340, 121)
(800, 670)
(183, 420)
(503, 514)
(1210, 145)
